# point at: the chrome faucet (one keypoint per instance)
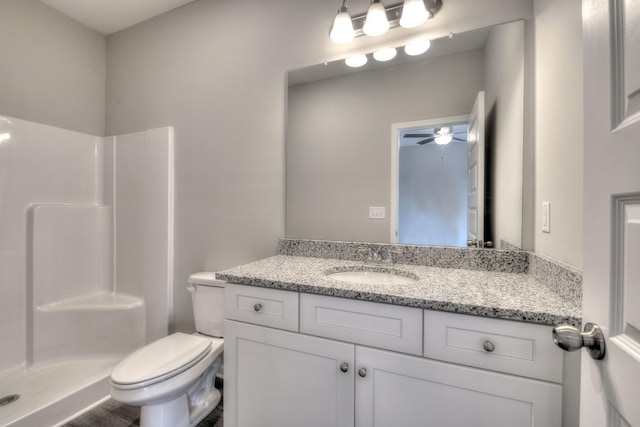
(378, 255)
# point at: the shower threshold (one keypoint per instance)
(51, 393)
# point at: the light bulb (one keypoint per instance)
(385, 54)
(414, 13)
(417, 48)
(342, 29)
(443, 139)
(443, 136)
(356, 61)
(376, 23)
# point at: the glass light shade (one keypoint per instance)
(385, 54)
(356, 61)
(376, 23)
(443, 139)
(417, 48)
(342, 29)
(414, 13)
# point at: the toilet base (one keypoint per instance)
(174, 413)
(211, 402)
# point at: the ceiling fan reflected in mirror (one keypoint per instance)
(440, 135)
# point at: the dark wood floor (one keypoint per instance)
(115, 414)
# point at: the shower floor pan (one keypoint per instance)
(54, 392)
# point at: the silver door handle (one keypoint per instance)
(569, 338)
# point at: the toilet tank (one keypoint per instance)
(207, 296)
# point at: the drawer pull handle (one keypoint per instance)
(362, 372)
(257, 306)
(488, 346)
(344, 367)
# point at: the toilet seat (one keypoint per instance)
(160, 361)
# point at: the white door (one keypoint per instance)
(610, 387)
(475, 174)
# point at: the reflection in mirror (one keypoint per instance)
(339, 133)
(431, 183)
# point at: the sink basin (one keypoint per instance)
(377, 276)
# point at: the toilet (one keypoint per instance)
(172, 379)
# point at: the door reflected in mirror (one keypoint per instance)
(431, 175)
(338, 135)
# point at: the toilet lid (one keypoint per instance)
(161, 359)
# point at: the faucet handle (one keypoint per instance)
(368, 250)
(390, 252)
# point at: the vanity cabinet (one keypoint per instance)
(370, 364)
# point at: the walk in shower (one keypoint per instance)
(86, 262)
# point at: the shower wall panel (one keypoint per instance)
(139, 185)
(39, 164)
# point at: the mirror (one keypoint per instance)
(340, 137)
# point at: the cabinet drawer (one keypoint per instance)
(500, 345)
(362, 322)
(262, 306)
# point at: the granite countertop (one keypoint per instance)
(510, 296)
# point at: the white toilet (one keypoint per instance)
(172, 379)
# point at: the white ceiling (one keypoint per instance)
(109, 16)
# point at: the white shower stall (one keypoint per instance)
(86, 262)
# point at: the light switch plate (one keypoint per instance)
(377, 212)
(546, 217)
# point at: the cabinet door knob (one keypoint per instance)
(362, 372)
(344, 367)
(488, 346)
(257, 306)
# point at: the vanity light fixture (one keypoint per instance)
(356, 61)
(342, 29)
(376, 23)
(384, 55)
(379, 19)
(414, 13)
(417, 47)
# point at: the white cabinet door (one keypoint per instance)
(277, 379)
(406, 391)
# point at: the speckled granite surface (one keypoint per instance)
(434, 256)
(560, 278)
(505, 295)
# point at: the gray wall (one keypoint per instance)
(339, 140)
(504, 106)
(559, 128)
(223, 91)
(53, 68)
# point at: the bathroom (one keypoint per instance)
(215, 72)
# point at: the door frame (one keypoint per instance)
(396, 128)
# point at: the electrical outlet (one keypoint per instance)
(546, 217)
(377, 212)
